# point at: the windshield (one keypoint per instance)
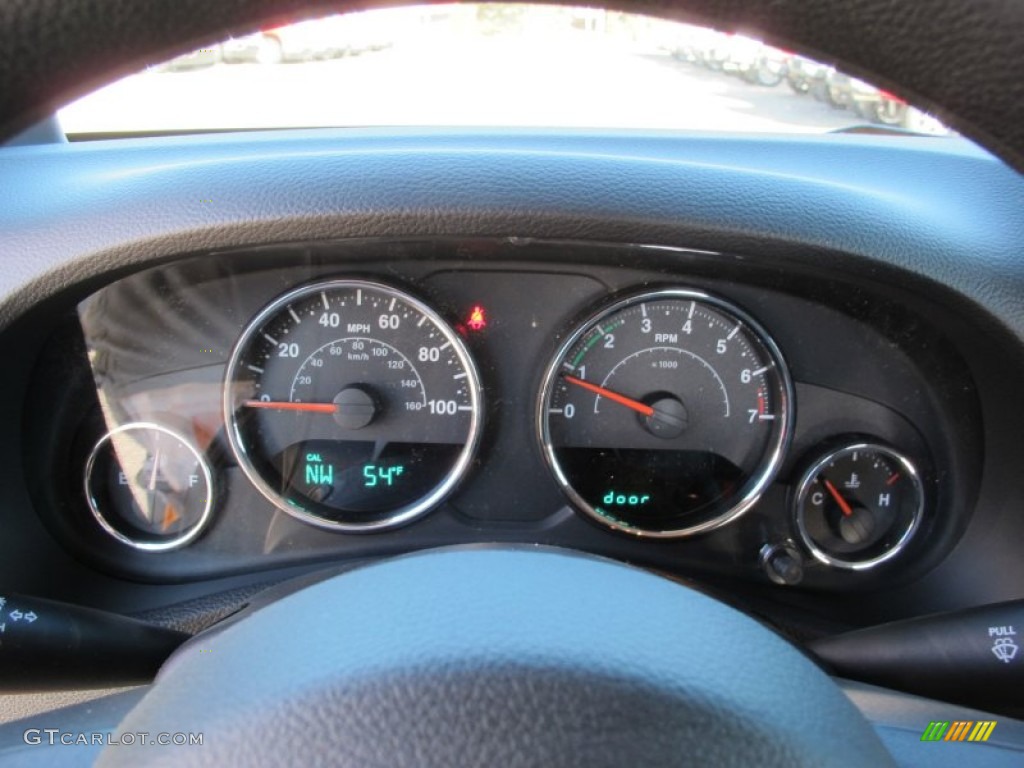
(491, 65)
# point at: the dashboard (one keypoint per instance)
(692, 411)
(872, 279)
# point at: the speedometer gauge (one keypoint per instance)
(352, 405)
(666, 414)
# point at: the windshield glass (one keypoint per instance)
(491, 65)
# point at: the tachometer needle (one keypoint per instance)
(279, 405)
(844, 505)
(615, 397)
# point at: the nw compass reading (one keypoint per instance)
(352, 405)
(666, 414)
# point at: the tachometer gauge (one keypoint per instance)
(352, 405)
(666, 414)
(858, 506)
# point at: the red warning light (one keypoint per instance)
(477, 319)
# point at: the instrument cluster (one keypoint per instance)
(326, 405)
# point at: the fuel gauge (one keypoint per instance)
(859, 506)
(148, 487)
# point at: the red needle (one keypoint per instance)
(843, 504)
(615, 397)
(286, 406)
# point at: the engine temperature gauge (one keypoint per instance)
(859, 506)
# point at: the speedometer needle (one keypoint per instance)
(615, 397)
(844, 505)
(283, 405)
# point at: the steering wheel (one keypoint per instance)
(515, 656)
(498, 656)
(948, 56)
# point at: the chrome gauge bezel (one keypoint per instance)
(402, 515)
(803, 488)
(758, 481)
(149, 546)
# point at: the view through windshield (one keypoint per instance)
(491, 65)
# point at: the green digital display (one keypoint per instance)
(318, 472)
(375, 475)
(613, 498)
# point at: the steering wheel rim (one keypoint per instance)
(937, 54)
(498, 656)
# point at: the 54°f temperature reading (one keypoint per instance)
(374, 475)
